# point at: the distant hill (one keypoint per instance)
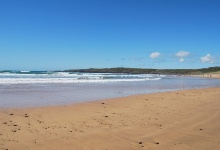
(148, 71)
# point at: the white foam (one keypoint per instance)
(25, 71)
(65, 77)
(66, 80)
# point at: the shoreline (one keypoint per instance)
(184, 119)
(214, 76)
(98, 100)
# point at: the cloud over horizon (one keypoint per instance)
(207, 59)
(155, 55)
(181, 60)
(181, 55)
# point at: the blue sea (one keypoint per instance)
(46, 88)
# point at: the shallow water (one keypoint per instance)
(44, 94)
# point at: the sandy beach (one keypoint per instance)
(215, 75)
(179, 120)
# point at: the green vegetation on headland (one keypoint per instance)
(148, 71)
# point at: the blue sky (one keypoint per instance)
(72, 34)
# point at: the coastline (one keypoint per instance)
(186, 119)
(211, 75)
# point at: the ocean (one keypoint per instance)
(27, 77)
(46, 88)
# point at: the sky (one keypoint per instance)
(75, 34)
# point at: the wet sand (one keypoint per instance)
(180, 120)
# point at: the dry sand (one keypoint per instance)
(180, 120)
(209, 75)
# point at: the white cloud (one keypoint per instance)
(155, 55)
(181, 60)
(208, 59)
(182, 54)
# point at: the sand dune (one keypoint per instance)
(180, 120)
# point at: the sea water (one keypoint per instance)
(43, 88)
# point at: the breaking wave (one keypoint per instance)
(28, 77)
